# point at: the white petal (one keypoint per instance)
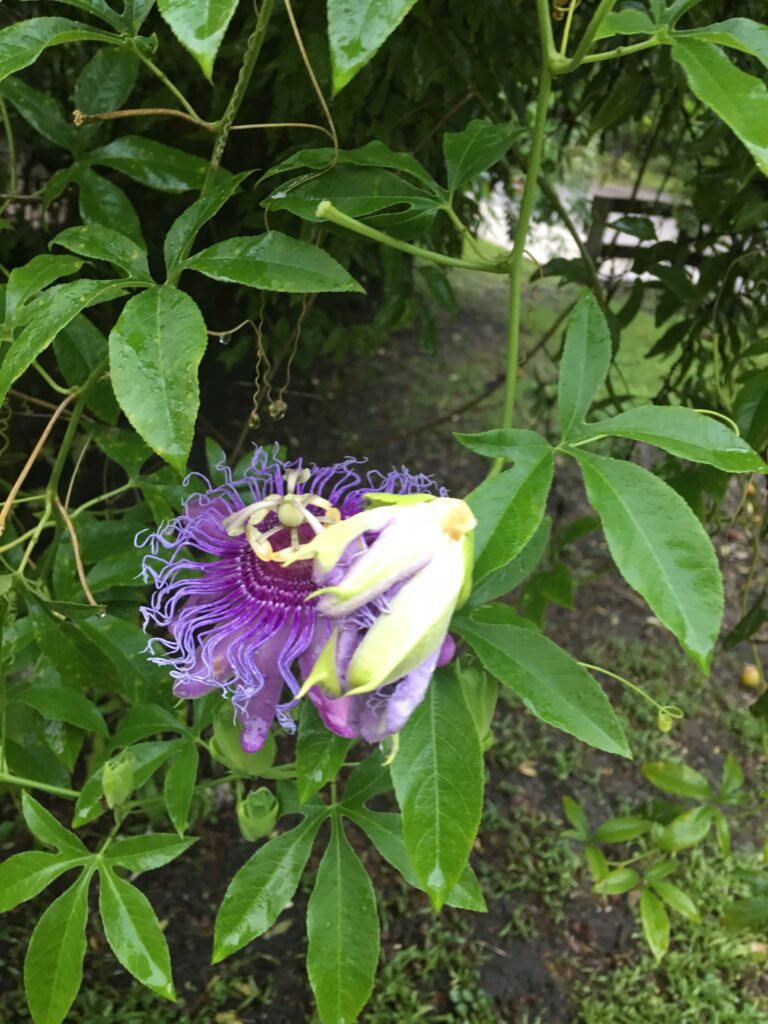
(415, 625)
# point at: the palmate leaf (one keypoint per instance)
(134, 933)
(23, 42)
(343, 933)
(438, 777)
(53, 967)
(263, 886)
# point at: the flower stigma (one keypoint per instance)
(292, 511)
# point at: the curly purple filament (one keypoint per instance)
(233, 621)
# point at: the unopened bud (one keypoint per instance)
(257, 814)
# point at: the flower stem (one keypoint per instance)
(16, 780)
(518, 252)
(327, 211)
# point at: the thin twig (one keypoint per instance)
(310, 71)
(80, 118)
(283, 124)
(76, 549)
(7, 505)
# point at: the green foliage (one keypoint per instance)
(78, 699)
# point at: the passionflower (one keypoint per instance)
(230, 609)
(391, 578)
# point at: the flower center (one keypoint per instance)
(292, 511)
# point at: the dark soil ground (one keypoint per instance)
(548, 951)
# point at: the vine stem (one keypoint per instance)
(251, 55)
(16, 780)
(518, 252)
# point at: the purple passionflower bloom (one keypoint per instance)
(234, 615)
(391, 578)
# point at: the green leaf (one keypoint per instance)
(617, 882)
(319, 752)
(273, 262)
(199, 26)
(25, 282)
(677, 899)
(25, 875)
(47, 829)
(121, 446)
(147, 853)
(61, 304)
(134, 934)
(585, 362)
(678, 779)
(682, 432)
(62, 704)
(509, 507)
(438, 777)
(53, 967)
(750, 409)
(343, 933)
(370, 778)
(23, 42)
(99, 9)
(574, 812)
(661, 870)
(629, 22)
(738, 99)
(400, 207)
(660, 548)
(155, 349)
(105, 83)
(733, 778)
(151, 163)
(263, 886)
(502, 581)
(103, 202)
(73, 654)
(185, 228)
(479, 146)
(385, 831)
(41, 112)
(655, 921)
(737, 33)
(550, 683)
(620, 830)
(145, 720)
(372, 154)
(179, 786)
(596, 862)
(79, 349)
(96, 242)
(503, 443)
(686, 830)
(356, 30)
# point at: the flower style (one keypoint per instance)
(236, 616)
(392, 577)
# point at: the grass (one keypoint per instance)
(708, 977)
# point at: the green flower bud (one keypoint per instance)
(257, 814)
(117, 779)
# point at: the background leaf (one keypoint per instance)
(199, 26)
